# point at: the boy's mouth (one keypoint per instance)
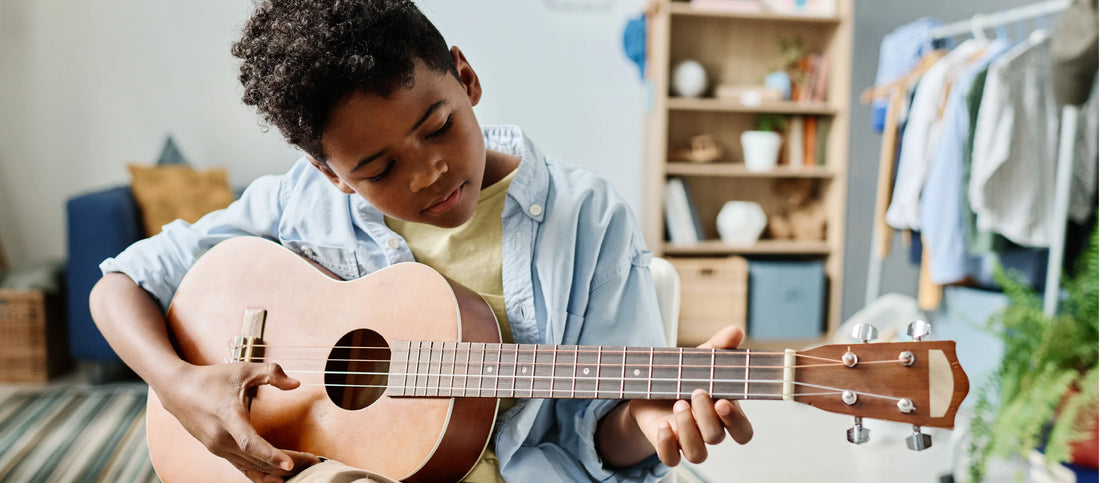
(446, 204)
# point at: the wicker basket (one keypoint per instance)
(33, 344)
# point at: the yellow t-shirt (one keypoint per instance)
(470, 254)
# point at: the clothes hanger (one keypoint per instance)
(878, 92)
(976, 27)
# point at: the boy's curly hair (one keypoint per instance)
(301, 57)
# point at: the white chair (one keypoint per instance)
(667, 283)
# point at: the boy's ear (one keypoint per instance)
(467, 76)
(331, 175)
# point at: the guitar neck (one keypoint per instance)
(472, 369)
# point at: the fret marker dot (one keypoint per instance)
(488, 369)
(586, 371)
(637, 372)
(525, 370)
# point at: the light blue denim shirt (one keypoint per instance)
(575, 268)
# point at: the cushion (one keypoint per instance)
(168, 192)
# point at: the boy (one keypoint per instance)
(396, 169)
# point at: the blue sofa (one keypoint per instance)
(100, 225)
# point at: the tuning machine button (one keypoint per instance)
(864, 332)
(858, 434)
(918, 329)
(918, 441)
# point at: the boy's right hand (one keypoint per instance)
(211, 402)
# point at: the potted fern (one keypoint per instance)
(1044, 394)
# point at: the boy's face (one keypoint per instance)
(417, 155)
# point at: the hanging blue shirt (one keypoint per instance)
(898, 54)
(575, 271)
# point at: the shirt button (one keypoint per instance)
(307, 251)
(393, 243)
(535, 210)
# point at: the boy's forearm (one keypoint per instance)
(619, 440)
(133, 324)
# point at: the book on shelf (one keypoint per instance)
(812, 79)
(809, 142)
(681, 219)
(796, 147)
(823, 125)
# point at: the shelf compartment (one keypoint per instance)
(762, 247)
(738, 170)
(686, 9)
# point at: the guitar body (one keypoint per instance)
(307, 314)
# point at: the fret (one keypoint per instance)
(480, 346)
(748, 364)
(665, 371)
(573, 380)
(649, 387)
(544, 371)
(622, 380)
(515, 369)
(454, 361)
(680, 376)
(405, 369)
(465, 367)
(534, 367)
(433, 380)
(711, 391)
(418, 389)
(599, 368)
(525, 365)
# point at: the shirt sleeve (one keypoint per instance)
(158, 263)
(622, 310)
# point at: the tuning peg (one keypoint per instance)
(918, 441)
(864, 332)
(919, 329)
(858, 434)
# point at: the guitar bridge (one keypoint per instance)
(247, 346)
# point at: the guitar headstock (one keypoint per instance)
(919, 383)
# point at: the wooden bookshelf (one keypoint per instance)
(740, 48)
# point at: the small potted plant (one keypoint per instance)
(1044, 394)
(761, 146)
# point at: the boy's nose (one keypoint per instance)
(428, 176)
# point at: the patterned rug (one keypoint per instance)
(76, 434)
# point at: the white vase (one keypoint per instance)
(689, 79)
(761, 150)
(740, 223)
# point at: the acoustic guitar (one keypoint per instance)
(406, 348)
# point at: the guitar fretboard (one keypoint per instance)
(472, 369)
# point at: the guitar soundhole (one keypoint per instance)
(357, 370)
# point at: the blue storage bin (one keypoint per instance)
(786, 299)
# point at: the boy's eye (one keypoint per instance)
(442, 130)
(380, 176)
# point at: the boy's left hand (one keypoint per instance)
(675, 427)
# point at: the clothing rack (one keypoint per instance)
(976, 26)
(979, 22)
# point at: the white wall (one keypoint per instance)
(87, 86)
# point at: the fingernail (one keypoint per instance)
(286, 465)
(724, 408)
(681, 406)
(698, 392)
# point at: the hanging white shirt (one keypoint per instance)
(921, 133)
(1011, 187)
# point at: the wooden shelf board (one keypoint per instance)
(733, 105)
(737, 170)
(686, 9)
(763, 247)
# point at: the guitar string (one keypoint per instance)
(833, 390)
(473, 350)
(528, 390)
(572, 363)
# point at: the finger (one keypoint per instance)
(253, 475)
(272, 373)
(727, 338)
(302, 460)
(667, 448)
(691, 442)
(255, 448)
(733, 417)
(702, 408)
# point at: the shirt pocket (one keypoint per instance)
(340, 261)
